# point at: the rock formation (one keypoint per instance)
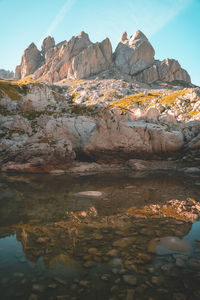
(31, 61)
(6, 74)
(47, 44)
(168, 70)
(134, 55)
(80, 58)
(100, 121)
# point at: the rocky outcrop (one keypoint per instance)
(168, 70)
(47, 44)
(80, 58)
(31, 61)
(6, 74)
(45, 126)
(131, 139)
(134, 55)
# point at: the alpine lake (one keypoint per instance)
(77, 237)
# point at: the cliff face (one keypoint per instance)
(80, 58)
(106, 108)
(31, 61)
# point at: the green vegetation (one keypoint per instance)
(4, 111)
(147, 100)
(194, 113)
(83, 110)
(11, 89)
(46, 140)
(32, 115)
(14, 89)
(141, 99)
(171, 98)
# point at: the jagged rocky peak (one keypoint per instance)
(47, 44)
(134, 55)
(168, 70)
(83, 35)
(124, 37)
(6, 74)
(139, 35)
(31, 60)
(80, 58)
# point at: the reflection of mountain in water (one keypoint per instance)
(65, 237)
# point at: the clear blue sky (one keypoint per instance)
(172, 26)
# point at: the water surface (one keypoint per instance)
(55, 244)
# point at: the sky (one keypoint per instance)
(172, 26)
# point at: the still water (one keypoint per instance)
(58, 244)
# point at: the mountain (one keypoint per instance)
(6, 74)
(85, 108)
(80, 58)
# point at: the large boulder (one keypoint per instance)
(116, 140)
(134, 55)
(31, 61)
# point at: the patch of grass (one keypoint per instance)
(10, 132)
(112, 95)
(171, 98)
(14, 89)
(58, 97)
(141, 99)
(74, 96)
(46, 140)
(4, 111)
(194, 113)
(83, 110)
(32, 115)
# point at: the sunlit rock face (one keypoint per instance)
(31, 61)
(168, 70)
(80, 58)
(47, 44)
(135, 54)
(77, 58)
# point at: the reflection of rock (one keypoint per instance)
(186, 210)
(74, 241)
(62, 258)
(174, 244)
(168, 245)
(124, 242)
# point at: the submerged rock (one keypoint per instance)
(130, 279)
(169, 244)
(89, 194)
(173, 244)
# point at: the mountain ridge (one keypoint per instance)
(79, 58)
